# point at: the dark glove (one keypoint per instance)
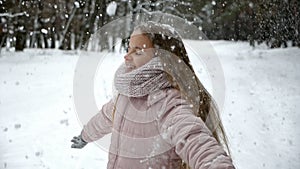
(78, 142)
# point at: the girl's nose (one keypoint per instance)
(127, 56)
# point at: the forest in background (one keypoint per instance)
(68, 24)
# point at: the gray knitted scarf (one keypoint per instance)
(141, 81)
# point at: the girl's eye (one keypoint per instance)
(139, 52)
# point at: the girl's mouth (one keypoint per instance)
(129, 65)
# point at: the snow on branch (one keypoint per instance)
(13, 15)
(187, 4)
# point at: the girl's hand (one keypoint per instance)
(78, 142)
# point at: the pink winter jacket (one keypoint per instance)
(156, 131)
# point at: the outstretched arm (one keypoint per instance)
(192, 140)
(96, 128)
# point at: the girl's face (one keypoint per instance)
(140, 50)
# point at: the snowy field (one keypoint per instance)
(38, 118)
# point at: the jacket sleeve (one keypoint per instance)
(99, 125)
(191, 138)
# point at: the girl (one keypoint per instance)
(162, 116)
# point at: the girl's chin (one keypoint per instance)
(129, 66)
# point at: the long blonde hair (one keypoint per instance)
(167, 39)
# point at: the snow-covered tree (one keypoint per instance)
(68, 24)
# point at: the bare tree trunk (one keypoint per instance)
(20, 40)
(35, 27)
(39, 40)
(3, 38)
(65, 41)
(89, 24)
(53, 39)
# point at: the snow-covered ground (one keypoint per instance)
(38, 118)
